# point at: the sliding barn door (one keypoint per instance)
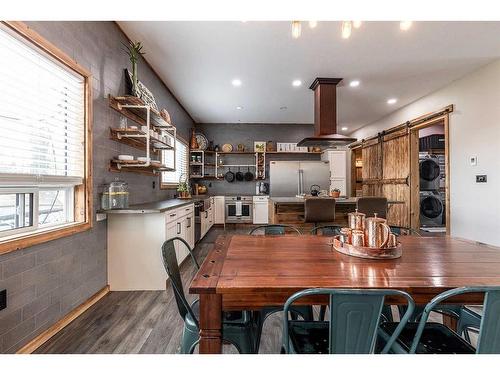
(387, 161)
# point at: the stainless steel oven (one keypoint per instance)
(239, 209)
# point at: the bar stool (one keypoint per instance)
(371, 205)
(319, 210)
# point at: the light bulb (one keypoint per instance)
(356, 24)
(313, 24)
(405, 25)
(296, 29)
(346, 29)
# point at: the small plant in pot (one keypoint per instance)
(335, 193)
(182, 189)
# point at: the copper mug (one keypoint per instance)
(356, 220)
(392, 242)
(346, 233)
(376, 232)
(357, 238)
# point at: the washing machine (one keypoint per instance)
(431, 209)
(429, 172)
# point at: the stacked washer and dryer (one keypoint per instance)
(432, 209)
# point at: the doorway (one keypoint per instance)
(430, 187)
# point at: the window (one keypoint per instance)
(44, 153)
(169, 179)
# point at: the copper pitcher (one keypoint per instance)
(356, 220)
(376, 232)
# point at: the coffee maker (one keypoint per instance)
(261, 188)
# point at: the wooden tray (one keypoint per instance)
(367, 252)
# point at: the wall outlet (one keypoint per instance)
(3, 299)
(473, 160)
(100, 217)
(481, 178)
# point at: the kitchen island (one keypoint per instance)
(290, 210)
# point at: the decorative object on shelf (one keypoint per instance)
(335, 193)
(165, 115)
(241, 147)
(125, 157)
(134, 52)
(194, 143)
(202, 189)
(202, 141)
(227, 147)
(142, 92)
(210, 146)
(216, 148)
(115, 195)
(270, 146)
(259, 146)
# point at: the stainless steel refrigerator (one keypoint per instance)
(289, 178)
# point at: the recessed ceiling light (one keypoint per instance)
(297, 82)
(346, 29)
(392, 101)
(405, 25)
(284, 108)
(356, 24)
(313, 24)
(345, 128)
(296, 29)
(239, 107)
(354, 83)
(236, 82)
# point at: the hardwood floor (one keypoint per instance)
(145, 321)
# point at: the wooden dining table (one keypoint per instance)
(244, 272)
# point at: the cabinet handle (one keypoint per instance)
(172, 215)
(189, 222)
(178, 228)
(187, 209)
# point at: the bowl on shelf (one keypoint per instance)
(125, 157)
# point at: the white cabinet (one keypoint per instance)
(180, 223)
(260, 210)
(219, 210)
(338, 169)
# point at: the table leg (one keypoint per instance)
(210, 324)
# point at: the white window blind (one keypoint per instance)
(181, 163)
(42, 115)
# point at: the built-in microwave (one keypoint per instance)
(239, 209)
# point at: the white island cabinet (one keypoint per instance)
(135, 238)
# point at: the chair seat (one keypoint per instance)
(229, 317)
(309, 337)
(436, 339)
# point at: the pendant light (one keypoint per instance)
(296, 29)
(346, 29)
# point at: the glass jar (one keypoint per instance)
(115, 195)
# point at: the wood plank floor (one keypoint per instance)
(145, 322)
(148, 321)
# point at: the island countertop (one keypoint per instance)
(156, 207)
(346, 200)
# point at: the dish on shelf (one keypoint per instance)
(125, 157)
(202, 141)
(227, 147)
(165, 115)
(142, 159)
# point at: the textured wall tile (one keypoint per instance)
(10, 320)
(36, 306)
(17, 265)
(16, 334)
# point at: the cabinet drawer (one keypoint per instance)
(186, 210)
(260, 199)
(172, 215)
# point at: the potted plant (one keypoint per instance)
(335, 193)
(182, 189)
(134, 51)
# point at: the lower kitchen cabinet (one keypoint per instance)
(134, 246)
(260, 210)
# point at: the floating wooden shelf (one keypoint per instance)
(137, 167)
(137, 114)
(293, 153)
(137, 139)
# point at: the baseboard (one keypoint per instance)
(42, 338)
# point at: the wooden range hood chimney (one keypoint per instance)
(325, 115)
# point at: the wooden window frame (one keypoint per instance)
(83, 207)
(170, 186)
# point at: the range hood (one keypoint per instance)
(325, 116)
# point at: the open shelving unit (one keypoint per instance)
(149, 121)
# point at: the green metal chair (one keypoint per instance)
(327, 230)
(352, 328)
(435, 338)
(238, 328)
(274, 229)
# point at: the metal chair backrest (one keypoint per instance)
(371, 205)
(171, 266)
(327, 230)
(274, 229)
(319, 210)
(354, 318)
(488, 341)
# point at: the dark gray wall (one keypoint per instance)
(247, 134)
(47, 281)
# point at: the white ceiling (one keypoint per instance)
(198, 60)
